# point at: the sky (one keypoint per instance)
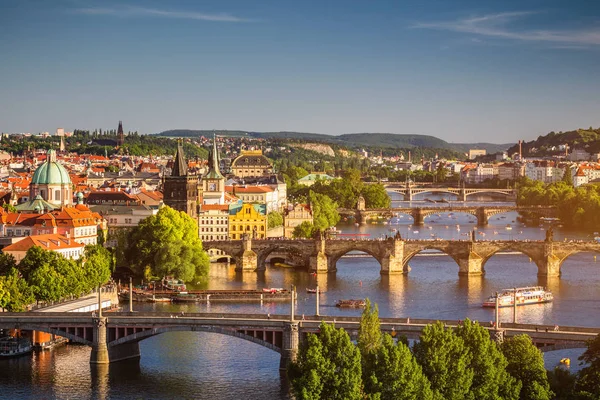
(461, 70)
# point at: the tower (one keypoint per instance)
(213, 183)
(180, 188)
(120, 135)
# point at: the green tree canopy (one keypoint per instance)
(376, 196)
(328, 367)
(274, 219)
(167, 244)
(7, 263)
(19, 294)
(97, 265)
(445, 360)
(526, 363)
(588, 382)
(305, 230)
(324, 211)
(490, 380)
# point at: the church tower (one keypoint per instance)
(120, 135)
(213, 183)
(181, 189)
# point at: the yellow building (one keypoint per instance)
(247, 220)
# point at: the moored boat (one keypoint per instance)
(272, 290)
(185, 298)
(351, 303)
(524, 296)
(309, 290)
(155, 299)
(171, 283)
(13, 347)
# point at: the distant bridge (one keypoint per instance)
(419, 214)
(461, 193)
(116, 336)
(394, 254)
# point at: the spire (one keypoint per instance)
(120, 130)
(62, 144)
(213, 162)
(180, 167)
(120, 135)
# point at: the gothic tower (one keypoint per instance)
(181, 189)
(213, 183)
(120, 135)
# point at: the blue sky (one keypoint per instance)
(461, 70)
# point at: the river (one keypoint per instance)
(212, 366)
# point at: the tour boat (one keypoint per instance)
(13, 347)
(525, 296)
(351, 303)
(173, 284)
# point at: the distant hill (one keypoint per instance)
(384, 140)
(587, 139)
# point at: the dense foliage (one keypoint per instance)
(47, 276)
(460, 363)
(274, 219)
(550, 144)
(167, 244)
(576, 206)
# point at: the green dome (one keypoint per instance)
(51, 172)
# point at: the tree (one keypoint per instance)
(376, 196)
(101, 237)
(19, 294)
(526, 363)
(167, 244)
(274, 219)
(7, 263)
(97, 265)
(305, 230)
(588, 379)
(445, 361)
(4, 294)
(562, 384)
(324, 211)
(567, 177)
(369, 341)
(47, 284)
(490, 380)
(328, 367)
(398, 375)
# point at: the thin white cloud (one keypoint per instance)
(131, 11)
(497, 25)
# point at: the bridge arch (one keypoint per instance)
(72, 336)
(358, 245)
(504, 192)
(561, 346)
(517, 246)
(292, 250)
(409, 254)
(275, 344)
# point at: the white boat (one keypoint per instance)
(525, 296)
(13, 347)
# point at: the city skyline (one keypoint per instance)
(464, 72)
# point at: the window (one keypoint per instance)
(57, 195)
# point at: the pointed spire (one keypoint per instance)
(120, 130)
(180, 167)
(213, 162)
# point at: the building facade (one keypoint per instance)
(180, 190)
(251, 163)
(294, 216)
(247, 220)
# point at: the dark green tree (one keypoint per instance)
(325, 214)
(305, 230)
(562, 384)
(274, 219)
(369, 341)
(526, 363)
(376, 196)
(47, 284)
(588, 379)
(490, 379)
(19, 294)
(328, 367)
(97, 266)
(445, 361)
(7, 263)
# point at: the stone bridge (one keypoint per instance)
(116, 336)
(394, 254)
(419, 214)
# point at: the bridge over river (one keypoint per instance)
(394, 254)
(461, 193)
(481, 213)
(116, 336)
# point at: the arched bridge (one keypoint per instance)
(116, 336)
(394, 254)
(482, 214)
(461, 193)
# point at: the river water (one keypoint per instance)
(212, 366)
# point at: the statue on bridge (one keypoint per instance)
(397, 236)
(550, 235)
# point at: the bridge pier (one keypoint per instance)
(482, 217)
(99, 353)
(419, 218)
(472, 265)
(394, 262)
(549, 266)
(360, 218)
(289, 348)
(248, 260)
(318, 262)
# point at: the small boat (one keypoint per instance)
(351, 303)
(308, 290)
(566, 361)
(272, 290)
(524, 296)
(13, 347)
(171, 283)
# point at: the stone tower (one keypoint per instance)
(181, 189)
(120, 135)
(213, 183)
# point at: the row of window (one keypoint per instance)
(221, 221)
(248, 228)
(218, 229)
